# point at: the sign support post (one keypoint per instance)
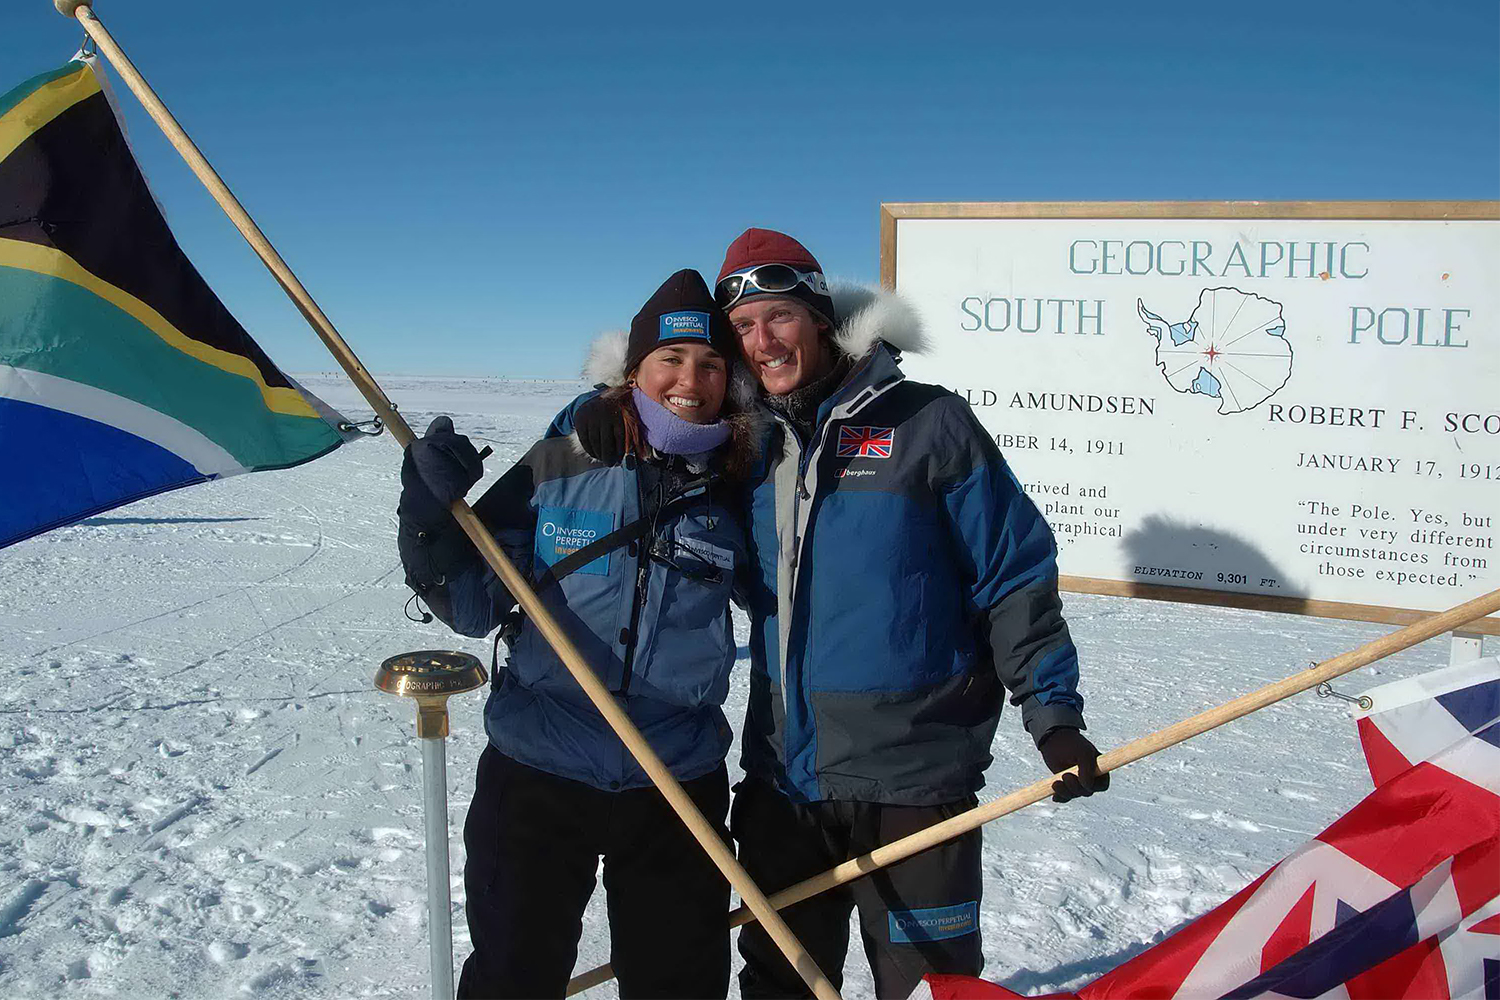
(1466, 647)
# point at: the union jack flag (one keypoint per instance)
(1400, 897)
(866, 442)
(1412, 720)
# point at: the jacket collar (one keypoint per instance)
(871, 375)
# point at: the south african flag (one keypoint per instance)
(122, 375)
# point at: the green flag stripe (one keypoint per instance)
(22, 91)
(67, 331)
(45, 260)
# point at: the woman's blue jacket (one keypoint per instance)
(651, 617)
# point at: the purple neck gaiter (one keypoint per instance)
(671, 435)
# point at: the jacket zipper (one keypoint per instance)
(802, 494)
(797, 498)
(642, 565)
(642, 568)
(643, 579)
(804, 460)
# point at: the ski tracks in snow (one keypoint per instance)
(206, 793)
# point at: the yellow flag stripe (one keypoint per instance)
(54, 263)
(44, 104)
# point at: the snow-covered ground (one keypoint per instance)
(202, 795)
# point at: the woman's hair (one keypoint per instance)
(635, 434)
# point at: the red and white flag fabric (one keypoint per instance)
(1400, 897)
(1414, 719)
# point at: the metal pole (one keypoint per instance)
(439, 898)
(430, 677)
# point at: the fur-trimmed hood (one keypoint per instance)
(605, 363)
(869, 314)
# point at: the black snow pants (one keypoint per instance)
(534, 841)
(917, 916)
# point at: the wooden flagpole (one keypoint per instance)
(518, 586)
(899, 850)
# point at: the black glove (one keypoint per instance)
(1065, 747)
(439, 468)
(601, 430)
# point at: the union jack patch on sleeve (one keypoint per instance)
(866, 442)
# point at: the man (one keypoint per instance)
(904, 579)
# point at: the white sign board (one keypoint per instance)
(1304, 411)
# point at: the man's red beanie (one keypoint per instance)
(754, 247)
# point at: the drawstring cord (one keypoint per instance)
(426, 616)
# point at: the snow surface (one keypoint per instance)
(204, 796)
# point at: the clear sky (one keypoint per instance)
(480, 188)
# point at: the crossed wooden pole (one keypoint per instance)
(517, 584)
(889, 854)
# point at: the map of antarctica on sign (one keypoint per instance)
(1233, 347)
(1296, 408)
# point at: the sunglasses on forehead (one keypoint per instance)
(766, 278)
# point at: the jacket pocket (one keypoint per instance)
(686, 645)
(589, 609)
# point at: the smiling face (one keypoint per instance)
(688, 379)
(781, 342)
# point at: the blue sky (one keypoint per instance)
(479, 189)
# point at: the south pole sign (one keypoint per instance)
(1287, 406)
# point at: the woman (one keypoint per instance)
(648, 607)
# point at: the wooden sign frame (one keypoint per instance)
(891, 213)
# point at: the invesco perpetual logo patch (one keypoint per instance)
(561, 531)
(570, 538)
(933, 924)
(688, 323)
(566, 536)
